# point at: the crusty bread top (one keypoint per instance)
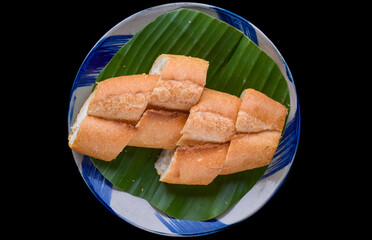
(181, 68)
(206, 127)
(258, 112)
(213, 101)
(122, 98)
(211, 120)
(159, 129)
(197, 165)
(181, 82)
(175, 95)
(101, 138)
(250, 150)
(139, 83)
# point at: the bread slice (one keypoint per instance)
(181, 82)
(175, 95)
(181, 68)
(159, 129)
(224, 104)
(197, 165)
(97, 137)
(252, 150)
(123, 98)
(205, 127)
(211, 120)
(258, 112)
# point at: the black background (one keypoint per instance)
(309, 202)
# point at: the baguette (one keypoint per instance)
(97, 137)
(258, 112)
(205, 133)
(180, 84)
(211, 120)
(159, 129)
(196, 165)
(122, 98)
(248, 151)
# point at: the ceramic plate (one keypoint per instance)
(139, 212)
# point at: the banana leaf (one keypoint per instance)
(236, 63)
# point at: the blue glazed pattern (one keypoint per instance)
(98, 58)
(287, 146)
(190, 228)
(101, 187)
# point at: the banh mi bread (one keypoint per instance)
(159, 129)
(205, 133)
(197, 165)
(122, 98)
(258, 112)
(252, 150)
(181, 82)
(97, 137)
(101, 138)
(211, 120)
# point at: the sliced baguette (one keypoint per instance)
(181, 82)
(123, 98)
(98, 137)
(252, 150)
(159, 129)
(211, 120)
(197, 165)
(258, 112)
(181, 68)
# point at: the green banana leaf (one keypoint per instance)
(236, 63)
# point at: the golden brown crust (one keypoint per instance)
(213, 101)
(211, 120)
(204, 135)
(204, 127)
(101, 138)
(138, 83)
(197, 165)
(159, 129)
(183, 68)
(175, 95)
(248, 151)
(258, 112)
(181, 82)
(122, 98)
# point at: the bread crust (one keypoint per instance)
(181, 82)
(248, 151)
(213, 101)
(181, 68)
(101, 138)
(123, 98)
(159, 129)
(211, 120)
(175, 95)
(205, 127)
(258, 112)
(221, 134)
(197, 165)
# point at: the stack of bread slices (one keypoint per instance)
(204, 133)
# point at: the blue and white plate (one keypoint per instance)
(139, 212)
